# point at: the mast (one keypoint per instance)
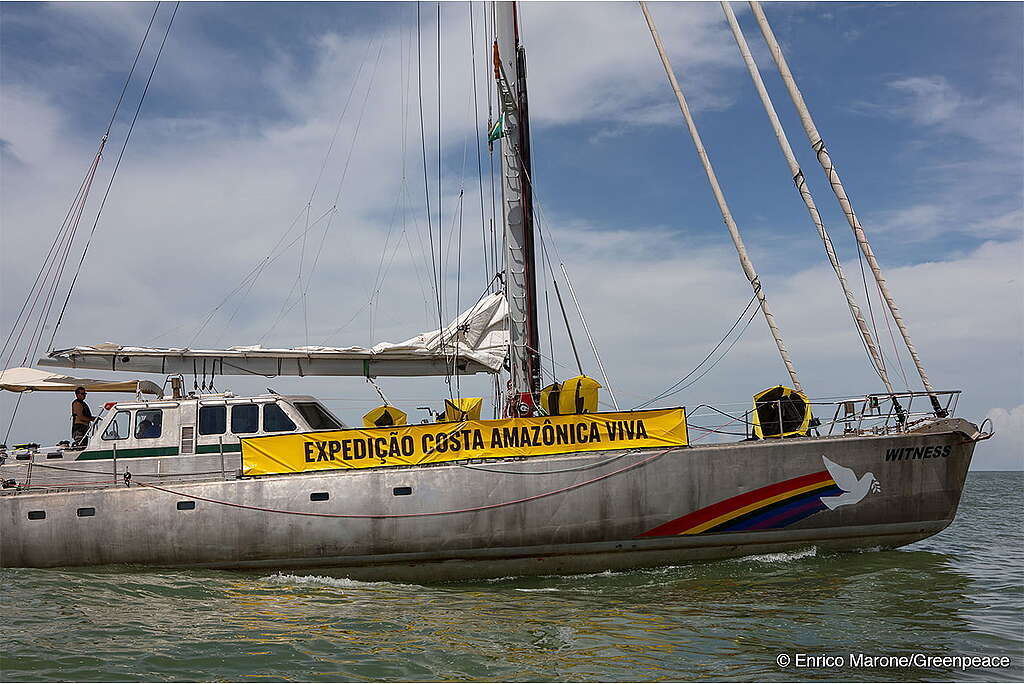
(517, 209)
(818, 145)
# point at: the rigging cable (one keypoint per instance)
(69, 225)
(440, 185)
(113, 174)
(675, 388)
(348, 162)
(426, 181)
(479, 156)
(331, 212)
(319, 177)
(57, 256)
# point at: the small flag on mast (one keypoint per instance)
(498, 129)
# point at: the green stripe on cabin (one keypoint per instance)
(91, 455)
(215, 448)
(127, 453)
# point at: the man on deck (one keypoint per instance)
(81, 417)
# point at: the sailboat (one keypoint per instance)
(552, 487)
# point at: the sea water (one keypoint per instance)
(806, 615)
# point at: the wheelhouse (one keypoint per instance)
(212, 423)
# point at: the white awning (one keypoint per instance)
(35, 380)
(476, 342)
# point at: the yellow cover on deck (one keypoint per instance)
(385, 416)
(466, 408)
(575, 395)
(440, 442)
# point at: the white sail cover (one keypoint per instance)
(476, 342)
(35, 380)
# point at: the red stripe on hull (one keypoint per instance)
(739, 501)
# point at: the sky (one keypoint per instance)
(294, 130)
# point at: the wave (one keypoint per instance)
(336, 582)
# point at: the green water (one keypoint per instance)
(959, 593)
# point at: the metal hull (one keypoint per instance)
(584, 513)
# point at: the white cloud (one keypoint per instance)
(1008, 442)
(608, 68)
(201, 199)
(928, 99)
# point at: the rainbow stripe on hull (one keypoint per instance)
(771, 507)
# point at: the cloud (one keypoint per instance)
(926, 99)
(204, 195)
(1008, 441)
(608, 69)
(965, 154)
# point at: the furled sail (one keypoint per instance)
(475, 342)
(35, 380)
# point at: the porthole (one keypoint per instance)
(37, 515)
(319, 496)
(186, 505)
(86, 512)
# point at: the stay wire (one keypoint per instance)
(47, 307)
(479, 153)
(423, 150)
(675, 387)
(348, 162)
(113, 175)
(68, 227)
(46, 266)
(131, 72)
(332, 212)
(440, 186)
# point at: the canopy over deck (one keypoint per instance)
(476, 342)
(35, 380)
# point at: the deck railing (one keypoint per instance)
(880, 413)
(889, 413)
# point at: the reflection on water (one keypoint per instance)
(958, 593)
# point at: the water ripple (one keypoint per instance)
(960, 592)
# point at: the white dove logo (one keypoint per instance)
(853, 489)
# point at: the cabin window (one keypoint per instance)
(86, 512)
(319, 496)
(148, 423)
(119, 427)
(245, 418)
(276, 420)
(37, 515)
(185, 505)
(213, 420)
(317, 416)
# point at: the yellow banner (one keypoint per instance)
(440, 442)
